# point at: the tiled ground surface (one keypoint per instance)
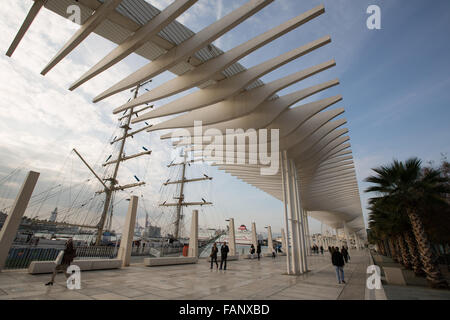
(244, 279)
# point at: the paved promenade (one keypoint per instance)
(244, 279)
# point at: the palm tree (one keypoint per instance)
(394, 224)
(406, 187)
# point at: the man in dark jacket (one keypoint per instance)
(345, 254)
(224, 253)
(258, 250)
(338, 262)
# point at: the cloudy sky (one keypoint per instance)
(395, 83)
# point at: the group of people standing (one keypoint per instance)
(339, 259)
(315, 249)
(223, 255)
(258, 250)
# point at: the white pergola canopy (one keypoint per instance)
(230, 96)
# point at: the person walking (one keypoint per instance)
(274, 253)
(213, 255)
(252, 250)
(68, 256)
(224, 255)
(345, 254)
(321, 250)
(338, 262)
(258, 250)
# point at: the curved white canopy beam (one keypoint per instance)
(100, 15)
(136, 40)
(231, 86)
(212, 67)
(187, 48)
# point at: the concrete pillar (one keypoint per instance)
(128, 232)
(300, 222)
(347, 235)
(360, 243)
(254, 236)
(283, 240)
(232, 238)
(295, 266)
(296, 206)
(193, 239)
(338, 244)
(12, 222)
(269, 239)
(286, 216)
(308, 231)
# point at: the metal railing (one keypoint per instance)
(96, 252)
(20, 258)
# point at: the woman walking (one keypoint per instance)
(68, 256)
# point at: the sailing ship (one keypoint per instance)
(55, 232)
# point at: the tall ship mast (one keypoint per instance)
(113, 183)
(180, 203)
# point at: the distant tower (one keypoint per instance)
(53, 215)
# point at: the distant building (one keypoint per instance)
(152, 232)
(54, 215)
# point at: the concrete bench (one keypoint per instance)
(394, 275)
(168, 261)
(37, 267)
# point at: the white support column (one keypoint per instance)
(283, 240)
(128, 232)
(12, 222)
(347, 235)
(360, 243)
(308, 235)
(295, 267)
(254, 235)
(338, 244)
(286, 217)
(300, 222)
(232, 238)
(296, 216)
(193, 239)
(269, 240)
